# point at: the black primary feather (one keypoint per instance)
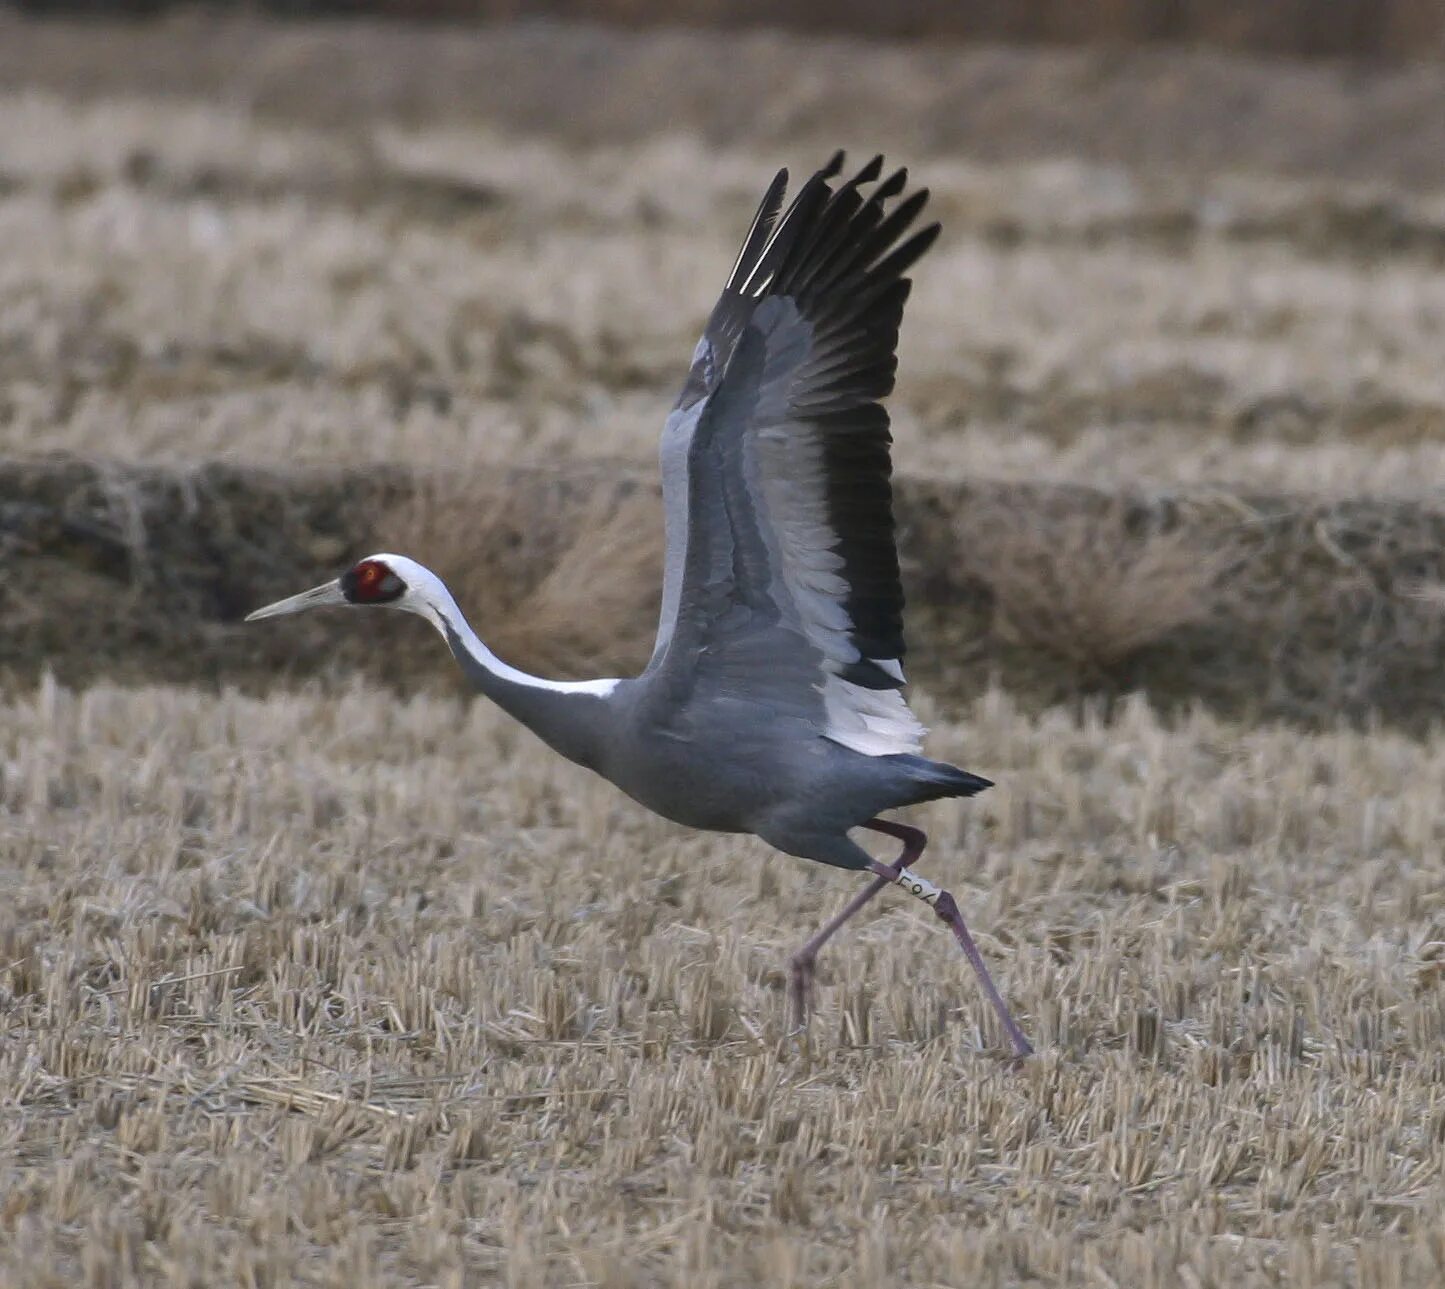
(840, 257)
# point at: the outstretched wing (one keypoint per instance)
(781, 584)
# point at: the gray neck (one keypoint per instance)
(568, 719)
(569, 716)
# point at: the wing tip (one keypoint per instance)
(870, 673)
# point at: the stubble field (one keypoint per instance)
(344, 990)
(343, 983)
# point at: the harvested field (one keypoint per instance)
(194, 282)
(313, 971)
(346, 990)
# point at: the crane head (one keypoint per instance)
(374, 580)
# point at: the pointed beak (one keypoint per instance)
(316, 598)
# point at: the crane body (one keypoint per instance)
(772, 704)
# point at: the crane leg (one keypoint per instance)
(803, 962)
(947, 909)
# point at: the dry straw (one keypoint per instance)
(377, 992)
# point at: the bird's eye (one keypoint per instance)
(371, 582)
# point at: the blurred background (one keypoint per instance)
(286, 282)
(1351, 28)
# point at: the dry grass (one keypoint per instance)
(1094, 585)
(345, 990)
(186, 282)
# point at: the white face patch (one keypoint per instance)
(919, 886)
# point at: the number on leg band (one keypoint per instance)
(919, 886)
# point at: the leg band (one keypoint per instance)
(919, 886)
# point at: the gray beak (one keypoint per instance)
(316, 598)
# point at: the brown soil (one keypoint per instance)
(1263, 606)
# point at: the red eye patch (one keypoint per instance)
(371, 582)
(369, 576)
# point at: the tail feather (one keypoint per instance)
(937, 779)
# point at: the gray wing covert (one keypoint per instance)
(781, 587)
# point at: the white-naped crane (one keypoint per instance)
(772, 703)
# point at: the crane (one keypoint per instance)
(772, 702)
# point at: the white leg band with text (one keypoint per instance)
(919, 886)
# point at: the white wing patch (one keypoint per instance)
(876, 722)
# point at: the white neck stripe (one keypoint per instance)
(427, 596)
